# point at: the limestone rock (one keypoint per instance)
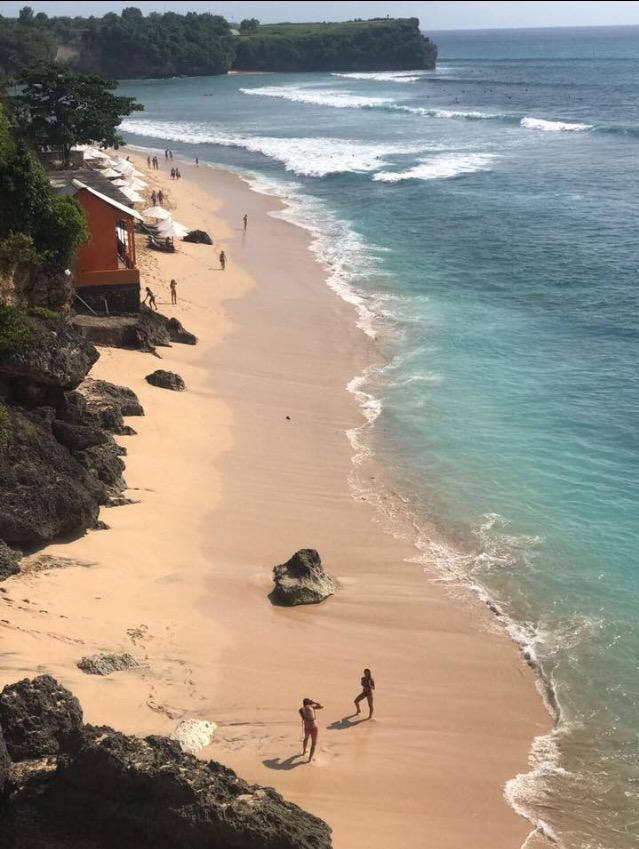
(44, 491)
(39, 717)
(55, 356)
(179, 334)
(77, 437)
(194, 734)
(105, 404)
(302, 580)
(9, 561)
(5, 766)
(150, 794)
(105, 664)
(166, 380)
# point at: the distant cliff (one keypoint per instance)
(382, 44)
(132, 45)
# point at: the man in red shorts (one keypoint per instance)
(309, 723)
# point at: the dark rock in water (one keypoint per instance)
(151, 794)
(198, 237)
(77, 437)
(44, 491)
(105, 664)
(55, 356)
(100, 404)
(302, 580)
(9, 561)
(39, 717)
(179, 334)
(166, 380)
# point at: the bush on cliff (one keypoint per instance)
(17, 329)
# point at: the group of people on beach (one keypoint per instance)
(175, 174)
(157, 197)
(308, 712)
(152, 162)
(168, 154)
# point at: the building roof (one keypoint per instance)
(62, 183)
(125, 209)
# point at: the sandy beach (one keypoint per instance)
(230, 478)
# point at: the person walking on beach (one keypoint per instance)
(160, 197)
(177, 174)
(148, 161)
(173, 287)
(150, 297)
(173, 173)
(166, 154)
(171, 154)
(368, 687)
(222, 260)
(245, 220)
(197, 162)
(309, 725)
(154, 198)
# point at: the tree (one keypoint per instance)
(249, 25)
(58, 108)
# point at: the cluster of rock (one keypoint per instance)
(58, 459)
(66, 784)
(154, 329)
(302, 580)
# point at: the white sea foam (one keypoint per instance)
(469, 115)
(311, 157)
(319, 97)
(553, 126)
(440, 167)
(385, 76)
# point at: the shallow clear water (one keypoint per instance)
(483, 217)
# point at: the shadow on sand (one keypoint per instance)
(288, 763)
(346, 722)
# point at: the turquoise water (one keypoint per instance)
(483, 218)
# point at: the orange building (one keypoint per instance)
(106, 277)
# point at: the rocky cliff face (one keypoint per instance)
(58, 459)
(82, 787)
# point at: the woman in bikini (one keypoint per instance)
(309, 724)
(368, 686)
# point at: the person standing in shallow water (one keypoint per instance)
(309, 725)
(245, 220)
(222, 260)
(368, 687)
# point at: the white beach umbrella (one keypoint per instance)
(156, 212)
(93, 153)
(120, 183)
(136, 184)
(172, 229)
(110, 173)
(133, 196)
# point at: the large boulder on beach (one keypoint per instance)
(39, 717)
(302, 580)
(166, 380)
(52, 354)
(44, 491)
(198, 237)
(149, 793)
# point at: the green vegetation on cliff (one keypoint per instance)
(164, 45)
(381, 44)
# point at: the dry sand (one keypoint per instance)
(227, 487)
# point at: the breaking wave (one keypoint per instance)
(319, 97)
(553, 126)
(440, 167)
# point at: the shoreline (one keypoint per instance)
(267, 496)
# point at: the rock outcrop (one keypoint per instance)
(100, 404)
(5, 765)
(105, 664)
(153, 329)
(302, 580)
(198, 237)
(39, 717)
(44, 490)
(166, 380)
(102, 789)
(54, 356)
(9, 561)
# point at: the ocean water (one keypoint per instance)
(483, 218)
